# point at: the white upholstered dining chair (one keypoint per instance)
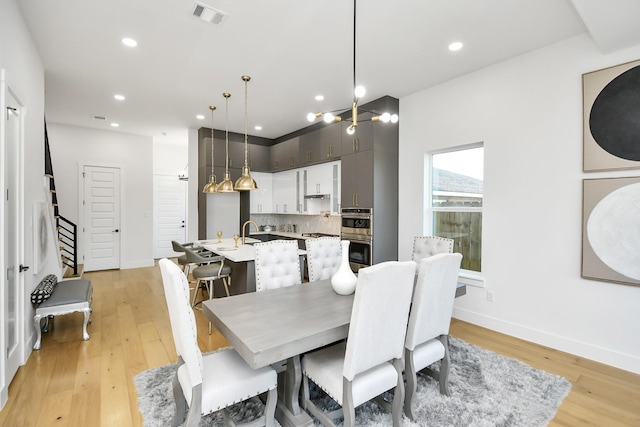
(277, 264)
(427, 338)
(426, 246)
(369, 362)
(323, 257)
(211, 382)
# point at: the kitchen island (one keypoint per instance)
(241, 260)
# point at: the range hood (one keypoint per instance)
(317, 196)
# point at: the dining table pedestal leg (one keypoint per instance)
(288, 411)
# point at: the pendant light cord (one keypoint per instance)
(246, 137)
(354, 50)
(226, 118)
(212, 108)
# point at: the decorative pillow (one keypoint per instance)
(44, 289)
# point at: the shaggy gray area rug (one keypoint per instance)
(486, 389)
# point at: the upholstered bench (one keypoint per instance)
(65, 297)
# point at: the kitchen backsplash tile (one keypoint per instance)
(304, 223)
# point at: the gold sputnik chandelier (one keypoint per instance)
(358, 93)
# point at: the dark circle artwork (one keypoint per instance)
(614, 120)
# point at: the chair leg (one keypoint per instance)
(410, 374)
(195, 293)
(195, 408)
(398, 395)
(210, 292)
(178, 396)
(270, 407)
(227, 283)
(349, 411)
(445, 364)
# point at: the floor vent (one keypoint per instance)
(209, 14)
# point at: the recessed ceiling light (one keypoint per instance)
(129, 42)
(200, 117)
(119, 97)
(115, 125)
(455, 46)
(319, 97)
(258, 127)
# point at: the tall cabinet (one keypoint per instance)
(370, 175)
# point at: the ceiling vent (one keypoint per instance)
(209, 14)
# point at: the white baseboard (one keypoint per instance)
(609, 357)
(138, 264)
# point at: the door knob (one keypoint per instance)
(23, 268)
(116, 231)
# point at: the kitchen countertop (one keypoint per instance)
(288, 234)
(243, 253)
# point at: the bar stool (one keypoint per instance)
(208, 270)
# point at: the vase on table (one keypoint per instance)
(343, 280)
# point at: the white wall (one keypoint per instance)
(72, 147)
(528, 113)
(25, 77)
(193, 187)
(170, 158)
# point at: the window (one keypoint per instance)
(456, 202)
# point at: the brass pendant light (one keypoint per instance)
(211, 187)
(226, 186)
(245, 182)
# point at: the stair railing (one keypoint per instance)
(68, 238)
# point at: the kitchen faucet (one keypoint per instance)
(244, 226)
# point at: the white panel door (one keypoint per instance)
(169, 216)
(10, 296)
(101, 218)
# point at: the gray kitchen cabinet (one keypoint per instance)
(357, 179)
(285, 155)
(321, 145)
(259, 158)
(362, 140)
(236, 153)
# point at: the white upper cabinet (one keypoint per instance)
(321, 187)
(262, 198)
(286, 194)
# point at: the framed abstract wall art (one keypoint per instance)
(611, 118)
(611, 230)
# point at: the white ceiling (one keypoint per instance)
(292, 49)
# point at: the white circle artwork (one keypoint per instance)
(613, 230)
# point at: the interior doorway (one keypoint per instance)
(170, 212)
(101, 215)
(12, 300)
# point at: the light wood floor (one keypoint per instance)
(71, 382)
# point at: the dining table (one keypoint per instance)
(276, 325)
(280, 325)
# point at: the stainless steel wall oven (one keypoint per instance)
(357, 227)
